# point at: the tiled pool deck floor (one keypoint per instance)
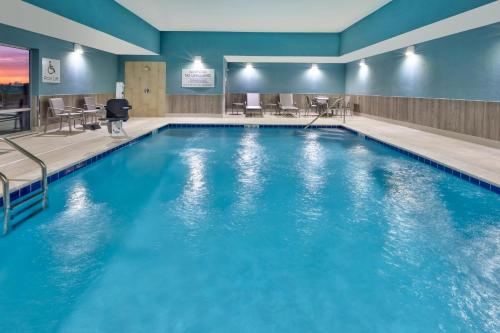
(61, 149)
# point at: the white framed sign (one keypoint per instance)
(198, 78)
(51, 70)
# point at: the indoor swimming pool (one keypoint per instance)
(256, 230)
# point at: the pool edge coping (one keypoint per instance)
(60, 173)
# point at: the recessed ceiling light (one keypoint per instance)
(77, 48)
(410, 51)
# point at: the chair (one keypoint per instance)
(310, 106)
(287, 105)
(92, 108)
(273, 104)
(347, 105)
(58, 109)
(253, 105)
(117, 110)
(237, 104)
(335, 105)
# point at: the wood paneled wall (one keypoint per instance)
(69, 100)
(145, 83)
(195, 104)
(476, 118)
(299, 99)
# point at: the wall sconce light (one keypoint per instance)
(197, 60)
(410, 51)
(314, 67)
(249, 66)
(362, 63)
(78, 49)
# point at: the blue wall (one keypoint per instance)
(461, 66)
(107, 16)
(285, 78)
(179, 48)
(400, 16)
(93, 72)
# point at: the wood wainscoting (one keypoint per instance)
(69, 100)
(195, 105)
(476, 118)
(268, 98)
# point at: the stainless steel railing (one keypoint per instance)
(6, 202)
(38, 161)
(337, 101)
(5, 183)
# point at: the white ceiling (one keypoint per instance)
(252, 15)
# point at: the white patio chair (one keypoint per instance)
(253, 105)
(287, 106)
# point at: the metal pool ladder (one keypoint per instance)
(33, 198)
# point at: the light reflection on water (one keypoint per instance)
(193, 199)
(77, 232)
(312, 168)
(250, 160)
(310, 165)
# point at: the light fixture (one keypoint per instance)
(249, 66)
(78, 49)
(197, 60)
(362, 63)
(314, 67)
(410, 51)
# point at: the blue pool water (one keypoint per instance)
(256, 230)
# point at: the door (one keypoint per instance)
(145, 83)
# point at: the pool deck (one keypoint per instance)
(62, 149)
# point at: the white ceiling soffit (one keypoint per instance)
(475, 18)
(252, 15)
(25, 16)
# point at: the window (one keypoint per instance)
(14, 89)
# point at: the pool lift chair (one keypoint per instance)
(117, 110)
(287, 105)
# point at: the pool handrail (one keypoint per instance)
(322, 113)
(41, 164)
(6, 202)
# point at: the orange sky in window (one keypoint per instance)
(14, 65)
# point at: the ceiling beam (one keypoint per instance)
(472, 19)
(25, 16)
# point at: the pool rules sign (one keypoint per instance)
(198, 78)
(51, 70)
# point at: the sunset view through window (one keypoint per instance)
(14, 65)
